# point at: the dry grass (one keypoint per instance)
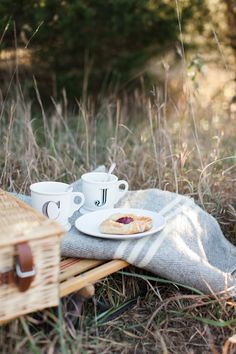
(159, 141)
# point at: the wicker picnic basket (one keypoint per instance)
(29, 259)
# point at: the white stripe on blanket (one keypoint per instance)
(157, 243)
(140, 244)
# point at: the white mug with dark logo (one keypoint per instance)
(56, 201)
(101, 191)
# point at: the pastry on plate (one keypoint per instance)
(125, 224)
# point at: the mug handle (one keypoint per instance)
(121, 192)
(75, 206)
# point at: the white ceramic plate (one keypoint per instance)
(89, 223)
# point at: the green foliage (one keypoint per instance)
(97, 41)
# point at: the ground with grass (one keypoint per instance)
(158, 141)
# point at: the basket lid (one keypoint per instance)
(19, 222)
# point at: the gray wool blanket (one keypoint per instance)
(190, 250)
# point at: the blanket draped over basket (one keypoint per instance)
(190, 250)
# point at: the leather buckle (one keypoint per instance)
(22, 274)
(24, 266)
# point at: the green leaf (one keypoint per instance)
(219, 323)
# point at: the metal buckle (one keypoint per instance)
(28, 274)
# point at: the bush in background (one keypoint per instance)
(95, 41)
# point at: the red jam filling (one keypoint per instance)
(125, 220)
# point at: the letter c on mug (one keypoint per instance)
(51, 209)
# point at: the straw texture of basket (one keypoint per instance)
(23, 227)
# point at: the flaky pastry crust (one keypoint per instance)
(139, 224)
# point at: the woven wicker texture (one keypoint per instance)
(19, 223)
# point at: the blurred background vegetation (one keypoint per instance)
(149, 84)
(81, 78)
(98, 45)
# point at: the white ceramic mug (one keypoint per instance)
(55, 200)
(101, 192)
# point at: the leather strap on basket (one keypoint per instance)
(24, 271)
(7, 278)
